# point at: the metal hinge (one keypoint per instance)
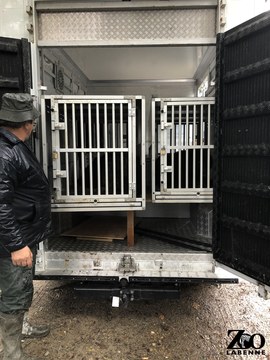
(127, 264)
(132, 112)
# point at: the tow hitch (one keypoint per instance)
(125, 295)
(124, 298)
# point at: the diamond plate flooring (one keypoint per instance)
(146, 243)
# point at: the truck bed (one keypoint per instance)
(152, 235)
(143, 244)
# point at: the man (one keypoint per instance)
(24, 218)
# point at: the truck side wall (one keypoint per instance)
(74, 81)
(14, 18)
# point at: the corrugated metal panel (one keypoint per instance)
(128, 27)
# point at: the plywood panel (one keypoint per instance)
(103, 228)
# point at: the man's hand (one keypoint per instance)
(22, 257)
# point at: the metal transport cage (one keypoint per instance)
(94, 152)
(182, 145)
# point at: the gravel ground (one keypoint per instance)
(192, 327)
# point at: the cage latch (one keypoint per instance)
(59, 174)
(164, 169)
(58, 125)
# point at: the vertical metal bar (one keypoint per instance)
(106, 148)
(56, 141)
(194, 143)
(163, 146)
(154, 131)
(121, 146)
(201, 149)
(187, 142)
(82, 149)
(180, 145)
(130, 228)
(66, 148)
(209, 144)
(74, 148)
(129, 131)
(113, 131)
(90, 150)
(143, 177)
(98, 146)
(134, 137)
(173, 144)
(44, 137)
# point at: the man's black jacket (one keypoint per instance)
(24, 196)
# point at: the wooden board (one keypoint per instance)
(104, 228)
(95, 239)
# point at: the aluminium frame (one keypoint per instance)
(182, 142)
(89, 201)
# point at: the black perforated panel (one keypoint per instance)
(242, 172)
(15, 71)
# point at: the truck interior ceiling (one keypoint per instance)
(138, 135)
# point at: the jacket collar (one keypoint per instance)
(9, 136)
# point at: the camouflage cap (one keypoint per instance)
(18, 107)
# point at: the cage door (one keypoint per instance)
(184, 137)
(93, 150)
